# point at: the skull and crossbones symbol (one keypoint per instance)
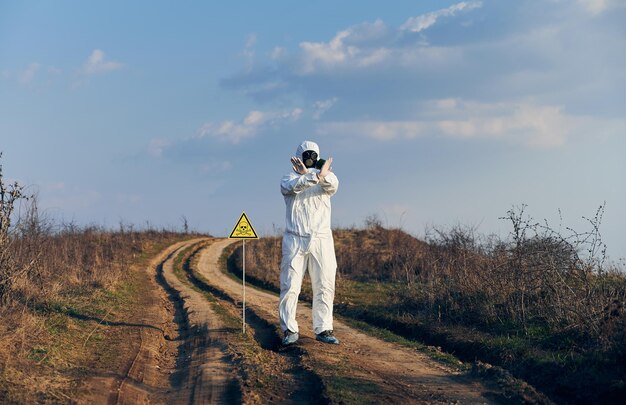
(243, 228)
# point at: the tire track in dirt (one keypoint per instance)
(144, 377)
(204, 373)
(130, 373)
(295, 383)
(384, 371)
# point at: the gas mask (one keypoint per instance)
(310, 159)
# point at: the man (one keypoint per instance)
(308, 243)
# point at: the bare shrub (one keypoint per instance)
(376, 253)
(368, 254)
(536, 278)
(40, 259)
(543, 302)
(10, 195)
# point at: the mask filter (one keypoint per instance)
(309, 158)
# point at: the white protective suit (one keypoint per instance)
(308, 245)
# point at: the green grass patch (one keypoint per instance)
(350, 390)
(38, 353)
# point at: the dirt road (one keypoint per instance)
(188, 348)
(175, 354)
(395, 373)
(205, 374)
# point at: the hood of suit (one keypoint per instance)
(307, 145)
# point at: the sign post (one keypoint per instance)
(243, 230)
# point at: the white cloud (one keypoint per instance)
(326, 54)
(54, 70)
(446, 103)
(31, 73)
(344, 48)
(227, 130)
(320, 107)
(293, 115)
(538, 126)
(97, 63)
(380, 130)
(248, 51)
(253, 123)
(254, 118)
(157, 146)
(27, 75)
(594, 6)
(251, 41)
(358, 47)
(424, 21)
(535, 78)
(278, 53)
(427, 57)
(525, 123)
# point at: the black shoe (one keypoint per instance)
(327, 337)
(290, 338)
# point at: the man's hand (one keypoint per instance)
(298, 166)
(326, 168)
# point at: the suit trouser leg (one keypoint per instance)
(322, 270)
(292, 268)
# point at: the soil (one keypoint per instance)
(391, 373)
(185, 345)
(175, 354)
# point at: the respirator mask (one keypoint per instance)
(310, 159)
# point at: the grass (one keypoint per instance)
(358, 293)
(372, 307)
(344, 389)
(252, 363)
(555, 368)
(456, 295)
(433, 352)
(61, 340)
(72, 328)
(336, 379)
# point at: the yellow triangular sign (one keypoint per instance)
(243, 229)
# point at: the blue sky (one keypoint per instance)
(436, 112)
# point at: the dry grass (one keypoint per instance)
(543, 303)
(537, 278)
(49, 325)
(56, 282)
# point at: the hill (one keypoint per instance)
(543, 306)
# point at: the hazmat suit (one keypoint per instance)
(308, 243)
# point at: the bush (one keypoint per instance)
(537, 279)
(541, 303)
(10, 195)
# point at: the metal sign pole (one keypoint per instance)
(244, 287)
(243, 230)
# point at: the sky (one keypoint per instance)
(436, 113)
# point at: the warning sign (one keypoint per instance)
(243, 229)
